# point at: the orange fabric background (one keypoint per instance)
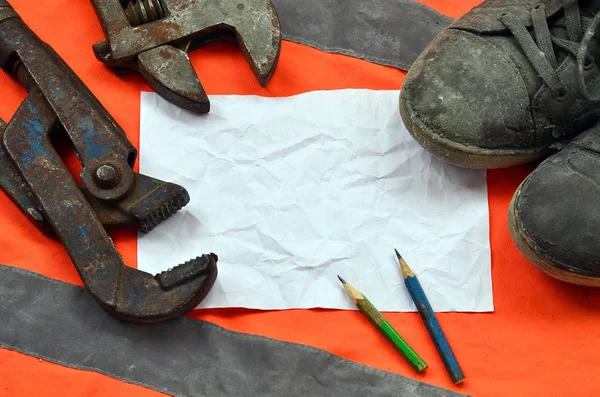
(542, 339)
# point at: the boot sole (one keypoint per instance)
(461, 155)
(530, 250)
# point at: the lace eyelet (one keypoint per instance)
(504, 14)
(561, 95)
(589, 63)
(538, 6)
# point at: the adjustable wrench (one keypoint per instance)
(154, 36)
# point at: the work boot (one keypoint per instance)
(505, 84)
(554, 216)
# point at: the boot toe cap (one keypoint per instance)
(467, 92)
(556, 218)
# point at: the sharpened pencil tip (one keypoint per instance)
(342, 280)
(398, 254)
(406, 271)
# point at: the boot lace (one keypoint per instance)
(540, 52)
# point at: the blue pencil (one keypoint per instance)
(433, 326)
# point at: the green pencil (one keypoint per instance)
(377, 319)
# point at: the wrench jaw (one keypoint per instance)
(142, 298)
(150, 202)
(169, 71)
(258, 35)
(263, 63)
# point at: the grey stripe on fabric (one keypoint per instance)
(61, 323)
(387, 32)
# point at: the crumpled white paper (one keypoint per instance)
(290, 192)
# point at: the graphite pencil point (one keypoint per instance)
(398, 254)
(342, 280)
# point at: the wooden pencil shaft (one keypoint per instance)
(377, 319)
(434, 328)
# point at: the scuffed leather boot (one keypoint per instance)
(554, 216)
(505, 83)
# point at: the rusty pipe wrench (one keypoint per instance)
(60, 106)
(154, 36)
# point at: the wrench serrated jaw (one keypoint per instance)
(186, 271)
(144, 298)
(164, 212)
(160, 200)
(169, 71)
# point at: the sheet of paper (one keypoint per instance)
(289, 192)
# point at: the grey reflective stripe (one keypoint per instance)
(61, 323)
(388, 32)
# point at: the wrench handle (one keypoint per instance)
(96, 137)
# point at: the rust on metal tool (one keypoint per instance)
(60, 106)
(154, 36)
